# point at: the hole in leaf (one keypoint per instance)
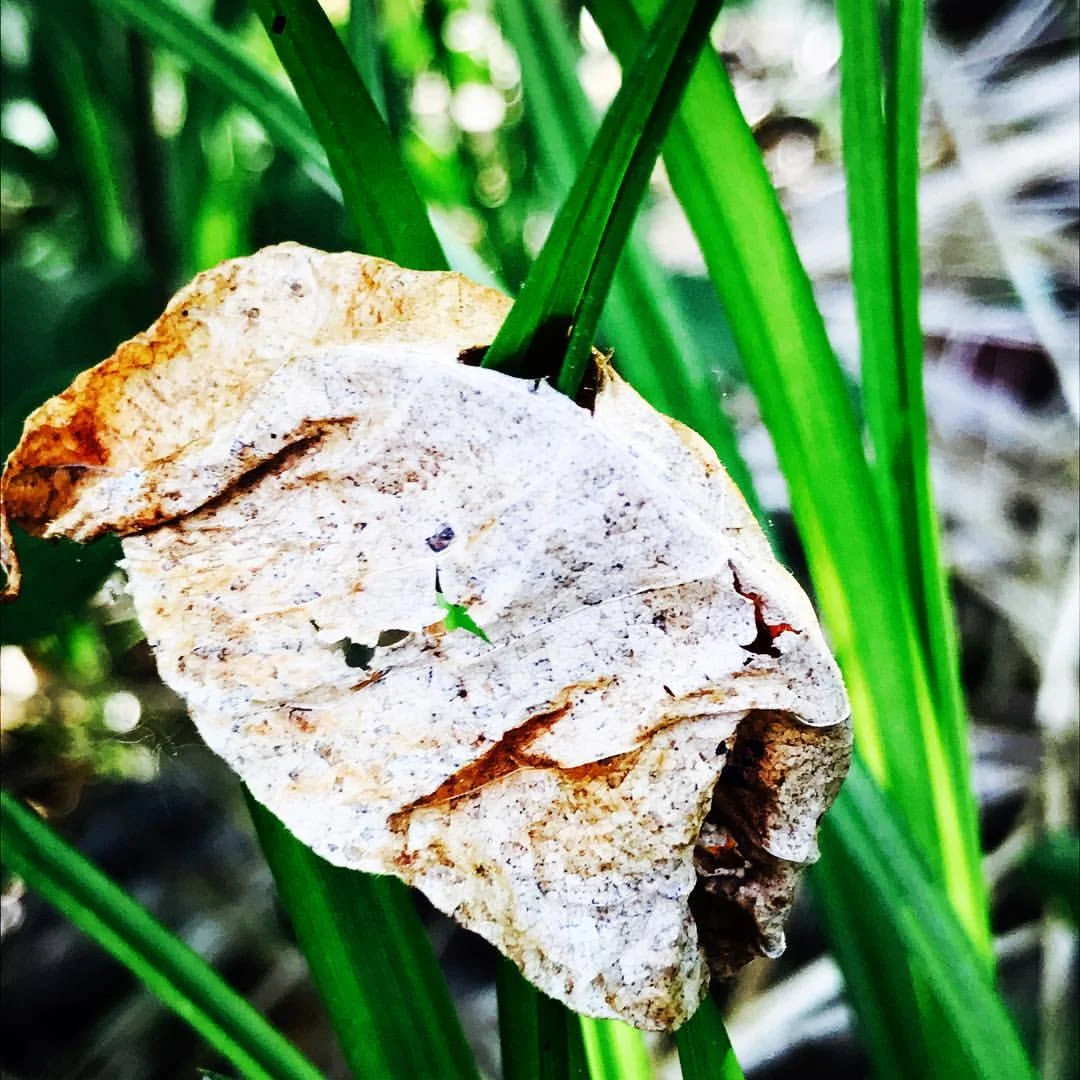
(1024, 513)
(357, 655)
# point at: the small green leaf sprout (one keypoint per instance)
(457, 615)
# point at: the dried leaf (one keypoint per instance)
(536, 660)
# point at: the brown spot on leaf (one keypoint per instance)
(76, 443)
(611, 770)
(274, 465)
(374, 677)
(715, 694)
(473, 356)
(299, 719)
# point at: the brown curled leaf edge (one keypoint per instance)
(618, 781)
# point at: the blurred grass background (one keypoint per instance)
(122, 175)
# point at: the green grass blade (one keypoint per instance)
(933, 601)
(519, 1023)
(1052, 867)
(881, 108)
(363, 39)
(540, 1038)
(704, 1048)
(561, 120)
(931, 945)
(93, 142)
(371, 960)
(173, 971)
(615, 1051)
(872, 250)
(561, 1050)
(387, 214)
(653, 340)
(903, 101)
(216, 61)
(876, 981)
(553, 323)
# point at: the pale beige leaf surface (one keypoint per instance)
(618, 787)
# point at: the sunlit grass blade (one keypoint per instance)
(173, 971)
(387, 215)
(540, 1039)
(881, 94)
(552, 326)
(615, 1051)
(930, 944)
(220, 222)
(880, 109)
(717, 172)
(654, 344)
(933, 602)
(371, 960)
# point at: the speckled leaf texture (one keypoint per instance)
(533, 657)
